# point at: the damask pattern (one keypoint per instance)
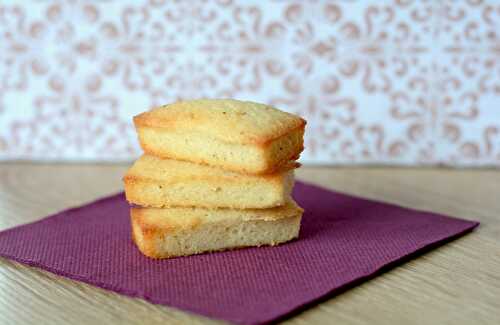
(391, 81)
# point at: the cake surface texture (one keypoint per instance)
(236, 135)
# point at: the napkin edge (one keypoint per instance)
(381, 269)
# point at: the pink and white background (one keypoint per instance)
(392, 81)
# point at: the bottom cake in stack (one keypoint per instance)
(162, 233)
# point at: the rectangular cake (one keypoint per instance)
(236, 135)
(170, 232)
(156, 182)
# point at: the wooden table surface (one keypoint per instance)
(458, 283)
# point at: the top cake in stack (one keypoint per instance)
(235, 135)
(216, 174)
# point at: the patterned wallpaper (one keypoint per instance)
(392, 81)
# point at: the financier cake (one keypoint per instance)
(216, 174)
(235, 135)
(163, 233)
(157, 182)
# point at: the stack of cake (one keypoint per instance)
(216, 174)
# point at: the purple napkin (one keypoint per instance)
(344, 240)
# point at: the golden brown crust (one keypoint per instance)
(268, 142)
(275, 162)
(145, 243)
(139, 218)
(227, 120)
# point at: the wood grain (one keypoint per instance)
(456, 284)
